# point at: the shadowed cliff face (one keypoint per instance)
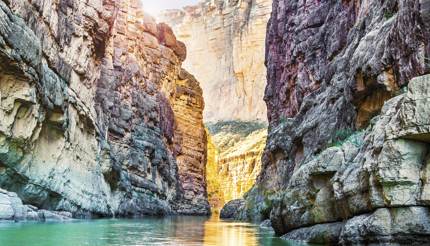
(225, 42)
(332, 67)
(90, 116)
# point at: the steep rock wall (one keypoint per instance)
(234, 159)
(240, 164)
(372, 188)
(225, 40)
(331, 67)
(86, 122)
(215, 194)
(191, 142)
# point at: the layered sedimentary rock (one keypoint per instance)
(373, 188)
(86, 121)
(240, 164)
(332, 65)
(190, 140)
(215, 194)
(236, 150)
(225, 40)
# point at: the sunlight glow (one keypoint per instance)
(154, 7)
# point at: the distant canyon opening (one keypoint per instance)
(225, 42)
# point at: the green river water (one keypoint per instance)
(149, 231)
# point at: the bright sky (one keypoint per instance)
(153, 7)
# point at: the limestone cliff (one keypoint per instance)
(87, 120)
(215, 194)
(235, 159)
(225, 40)
(190, 140)
(240, 164)
(344, 163)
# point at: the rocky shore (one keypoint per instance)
(12, 209)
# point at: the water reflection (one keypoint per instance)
(233, 233)
(149, 231)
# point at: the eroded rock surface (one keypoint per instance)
(86, 121)
(372, 188)
(234, 151)
(332, 66)
(191, 141)
(231, 208)
(12, 209)
(225, 42)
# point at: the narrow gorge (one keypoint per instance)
(214, 122)
(226, 45)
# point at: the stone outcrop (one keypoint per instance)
(231, 208)
(12, 209)
(87, 120)
(236, 150)
(373, 188)
(332, 66)
(240, 164)
(190, 141)
(225, 40)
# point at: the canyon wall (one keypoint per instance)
(225, 40)
(215, 194)
(346, 156)
(240, 163)
(191, 141)
(234, 159)
(89, 119)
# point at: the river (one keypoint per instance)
(180, 230)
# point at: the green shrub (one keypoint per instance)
(347, 135)
(242, 128)
(388, 15)
(283, 120)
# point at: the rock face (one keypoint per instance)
(240, 164)
(225, 40)
(235, 149)
(373, 188)
(231, 209)
(332, 66)
(12, 209)
(215, 194)
(190, 140)
(87, 120)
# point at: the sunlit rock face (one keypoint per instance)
(87, 120)
(225, 42)
(234, 159)
(333, 66)
(215, 194)
(240, 164)
(191, 144)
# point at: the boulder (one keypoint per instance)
(232, 208)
